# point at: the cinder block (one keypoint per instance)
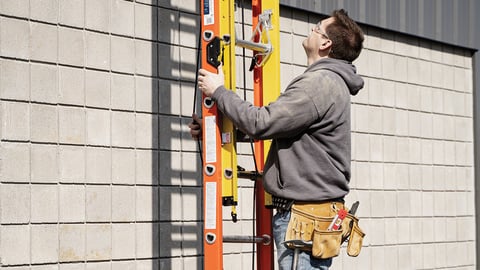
(361, 175)
(123, 166)
(146, 94)
(44, 243)
(15, 203)
(362, 146)
(71, 125)
(15, 121)
(171, 133)
(18, 8)
(171, 237)
(144, 233)
(99, 203)
(170, 204)
(44, 168)
(426, 125)
(191, 233)
(72, 163)
(44, 41)
(388, 67)
(44, 123)
(286, 54)
(145, 20)
(15, 165)
(98, 127)
(168, 27)
(44, 10)
(15, 36)
(188, 63)
(97, 49)
(404, 230)
(191, 203)
(123, 54)
(146, 203)
(391, 224)
(123, 92)
(44, 83)
(188, 143)
(169, 57)
(146, 127)
(97, 89)
(123, 203)
(123, 242)
(147, 168)
(376, 148)
(15, 244)
(123, 129)
(449, 152)
(71, 244)
(192, 168)
(98, 266)
(124, 265)
(401, 122)
(362, 118)
(99, 242)
(187, 91)
(72, 13)
(146, 58)
(153, 264)
(122, 18)
(71, 86)
(15, 79)
(97, 15)
(169, 97)
(72, 203)
(44, 203)
(415, 150)
(71, 47)
(98, 165)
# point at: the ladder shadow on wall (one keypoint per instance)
(176, 166)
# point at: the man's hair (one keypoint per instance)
(346, 36)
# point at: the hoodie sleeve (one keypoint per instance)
(293, 112)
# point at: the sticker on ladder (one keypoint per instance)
(210, 205)
(210, 139)
(208, 12)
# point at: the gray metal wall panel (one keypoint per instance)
(442, 20)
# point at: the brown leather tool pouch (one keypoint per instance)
(309, 222)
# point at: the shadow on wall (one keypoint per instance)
(177, 213)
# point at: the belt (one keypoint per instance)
(284, 205)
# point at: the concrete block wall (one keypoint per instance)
(98, 171)
(97, 167)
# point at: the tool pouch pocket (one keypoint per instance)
(326, 244)
(309, 222)
(355, 241)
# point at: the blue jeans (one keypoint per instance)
(285, 255)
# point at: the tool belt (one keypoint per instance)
(309, 222)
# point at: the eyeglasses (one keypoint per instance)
(319, 31)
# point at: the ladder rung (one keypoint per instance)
(252, 175)
(254, 46)
(265, 239)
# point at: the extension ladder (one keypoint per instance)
(220, 174)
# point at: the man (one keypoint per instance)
(309, 124)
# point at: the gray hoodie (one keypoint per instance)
(309, 124)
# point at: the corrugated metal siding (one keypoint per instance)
(452, 22)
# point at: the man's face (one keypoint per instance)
(317, 38)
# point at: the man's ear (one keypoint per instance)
(326, 45)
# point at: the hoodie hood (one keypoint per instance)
(345, 69)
